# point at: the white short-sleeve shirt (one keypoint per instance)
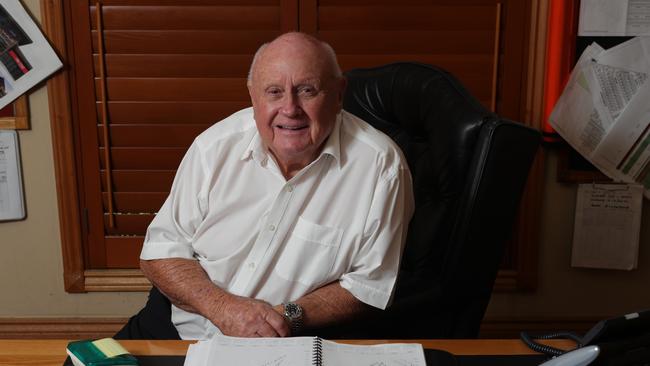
(342, 218)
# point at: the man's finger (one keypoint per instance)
(278, 322)
(265, 330)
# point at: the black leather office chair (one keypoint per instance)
(469, 168)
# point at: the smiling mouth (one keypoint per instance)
(291, 128)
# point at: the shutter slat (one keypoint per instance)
(184, 17)
(183, 41)
(145, 158)
(129, 224)
(187, 3)
(152, 135)
(403, 17)
(325, 3)
(176, 89)
(411, 42)
(171, 112)
(136, 202)
(175, 66)
(140, 180)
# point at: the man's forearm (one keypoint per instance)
(187, 285)
(184, 282)
(329, 305)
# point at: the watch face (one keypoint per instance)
(293, 311)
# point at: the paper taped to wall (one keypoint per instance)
(12, 206)
(604, 112)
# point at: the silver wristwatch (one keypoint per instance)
(293, 313)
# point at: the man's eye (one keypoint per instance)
(307, 91)
(274, 92)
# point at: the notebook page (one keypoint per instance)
(398, 354)
(229, 351)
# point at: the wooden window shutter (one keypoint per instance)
(478, 41)
(149, 77)
(481, 42)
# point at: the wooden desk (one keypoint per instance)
(52, 352)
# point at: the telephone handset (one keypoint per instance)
(621, 341)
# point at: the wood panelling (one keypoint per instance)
(92, 327)
(123, 251)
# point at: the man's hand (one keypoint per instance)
(187, 286)
(244, 317)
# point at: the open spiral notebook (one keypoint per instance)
(300, 351)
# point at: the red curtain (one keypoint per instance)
(560, 54)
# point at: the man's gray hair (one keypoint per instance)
(329, 52)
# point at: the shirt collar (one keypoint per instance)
(257, 151)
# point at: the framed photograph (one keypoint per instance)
(26, 57)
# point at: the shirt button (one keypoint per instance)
(289, 188)
(271, 227)
(251, 265)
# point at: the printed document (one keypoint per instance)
(614, 18)
(604, 114)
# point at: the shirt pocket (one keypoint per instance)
(309, 253)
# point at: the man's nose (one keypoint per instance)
(291, 105)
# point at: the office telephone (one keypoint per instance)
(620, 341)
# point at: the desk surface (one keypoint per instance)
(52, 352)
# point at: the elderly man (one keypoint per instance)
(291, 214)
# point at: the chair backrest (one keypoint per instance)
(469, 168)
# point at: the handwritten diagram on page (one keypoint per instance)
(299, 351)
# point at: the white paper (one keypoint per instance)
(11, 190)
(298, 351)
(614, 18)
(638, 17)
(39, 57)
(604, 111)
(602, 17)
(607, 226)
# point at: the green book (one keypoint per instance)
(102, 352)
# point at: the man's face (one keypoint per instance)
(295, 100)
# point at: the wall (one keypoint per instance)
(31, 280)
(563, 290)
(31, 267)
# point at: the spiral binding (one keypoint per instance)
(317, 352)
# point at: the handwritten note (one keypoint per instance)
(12, 206)
(607, 225)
